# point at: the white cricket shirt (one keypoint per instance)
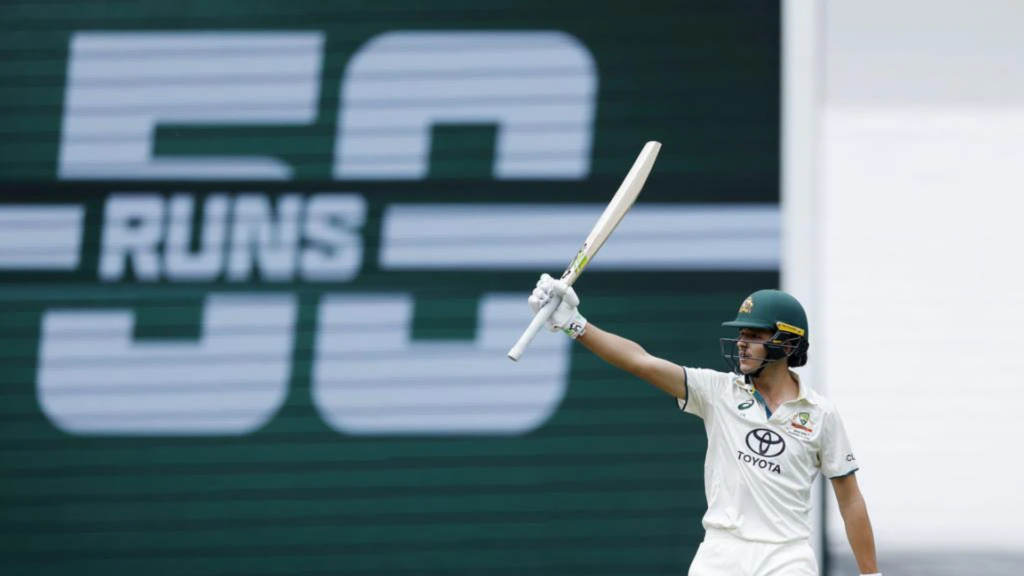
(759, 470)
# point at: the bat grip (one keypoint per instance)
(535, 325)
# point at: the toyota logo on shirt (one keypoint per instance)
(765, 442)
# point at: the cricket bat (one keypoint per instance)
(613, 214)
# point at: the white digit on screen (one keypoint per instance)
(539, 88)
(371, 378)
(95, 379)
(122, 85)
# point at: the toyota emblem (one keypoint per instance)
(765, 443)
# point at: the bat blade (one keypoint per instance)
(620, 204)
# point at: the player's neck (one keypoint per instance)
(777, 385)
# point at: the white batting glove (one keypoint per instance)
(566, 318)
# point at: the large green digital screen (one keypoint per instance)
(261, 263)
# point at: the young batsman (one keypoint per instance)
(769, 434)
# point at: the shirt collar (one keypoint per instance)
(805, 392)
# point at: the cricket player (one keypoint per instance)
(769, 434)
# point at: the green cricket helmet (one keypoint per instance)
(771, 310)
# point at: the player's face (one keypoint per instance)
(751, 348)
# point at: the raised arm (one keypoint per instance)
(615, 350)
(631, 357)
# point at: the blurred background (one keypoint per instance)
(261, 263)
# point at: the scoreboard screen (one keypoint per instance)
(261, 263)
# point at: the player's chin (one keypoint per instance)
(748, 365)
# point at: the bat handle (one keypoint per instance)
(535, 325)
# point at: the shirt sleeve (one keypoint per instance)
(702, 387)
(837, 457)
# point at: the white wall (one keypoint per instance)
(923, 299)
(915, 271)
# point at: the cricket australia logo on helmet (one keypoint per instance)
(747, 307)
(765, 443)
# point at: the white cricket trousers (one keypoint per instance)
(722, 554)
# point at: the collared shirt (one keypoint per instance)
(759, 469)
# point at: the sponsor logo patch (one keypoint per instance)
(761, 463)
(765, 442)
(801, 425)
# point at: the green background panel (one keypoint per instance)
(701, 76)
(611, 484)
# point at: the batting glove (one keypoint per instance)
(566, 318)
